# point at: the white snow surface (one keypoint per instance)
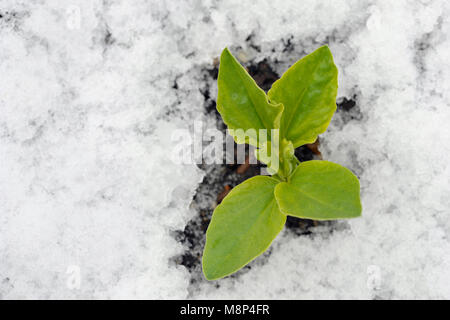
(88, 106)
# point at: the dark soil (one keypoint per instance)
(220, 179)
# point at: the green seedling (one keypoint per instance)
(297, 108)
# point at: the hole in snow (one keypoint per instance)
(348, 109)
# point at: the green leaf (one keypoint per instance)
(308, 92)
(320, 190)
(242, 104)
(242, 227)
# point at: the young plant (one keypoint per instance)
(297, 108)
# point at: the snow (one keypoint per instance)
(88, 106)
